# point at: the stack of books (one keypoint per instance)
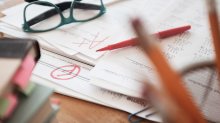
(21, 100)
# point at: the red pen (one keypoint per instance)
(160, 35)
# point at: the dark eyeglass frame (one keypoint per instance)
(58, 8)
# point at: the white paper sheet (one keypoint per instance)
(63, 90)
(73, 76)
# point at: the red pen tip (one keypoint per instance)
(102, 49)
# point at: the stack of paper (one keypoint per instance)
(120, 72)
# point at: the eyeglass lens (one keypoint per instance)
(36, 15)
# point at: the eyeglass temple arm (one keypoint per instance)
(62, 6)
(198, 65)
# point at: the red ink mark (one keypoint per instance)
(95, 42)
(65, 72)
(91, 43)
(81, 43)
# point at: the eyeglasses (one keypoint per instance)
(42, 16)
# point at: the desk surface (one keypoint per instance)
(73, 110)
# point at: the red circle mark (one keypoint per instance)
(65, 72)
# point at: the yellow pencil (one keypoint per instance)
(171, 81)
(213, 20)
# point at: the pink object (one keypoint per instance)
(55, 101)
(23, 74)
(13, 101)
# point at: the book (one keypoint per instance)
(29, 89)
(17, 59)
(43, 113)
(7, 105)
(22, 75)
(35, 108)
(15, 54)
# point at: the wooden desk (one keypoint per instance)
(73, 110)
